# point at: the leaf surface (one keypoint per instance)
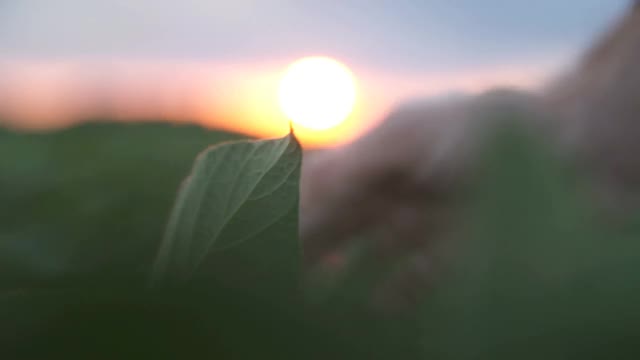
(235, 218)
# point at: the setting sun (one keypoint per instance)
(317, 93)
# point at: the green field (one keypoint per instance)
(108, 186)
(536, 275)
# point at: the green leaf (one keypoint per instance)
(235, 219)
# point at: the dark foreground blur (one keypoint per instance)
(83, 211)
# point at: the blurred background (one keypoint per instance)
(218, 63)
(104, 105)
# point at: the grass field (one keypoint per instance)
(536, 275)
(108, 185)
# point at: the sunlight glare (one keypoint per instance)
(318, 93)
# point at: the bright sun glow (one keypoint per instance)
(317, 93)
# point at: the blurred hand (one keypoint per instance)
(398, 186)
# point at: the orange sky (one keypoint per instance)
(239, 97)
(218, 63)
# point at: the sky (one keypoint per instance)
(217, 62)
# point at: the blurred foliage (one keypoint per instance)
(540, 274)
(535, 276)
(90, 203)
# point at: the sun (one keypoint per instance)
(317, 92)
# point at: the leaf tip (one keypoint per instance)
(292, 133)
(291, 130)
